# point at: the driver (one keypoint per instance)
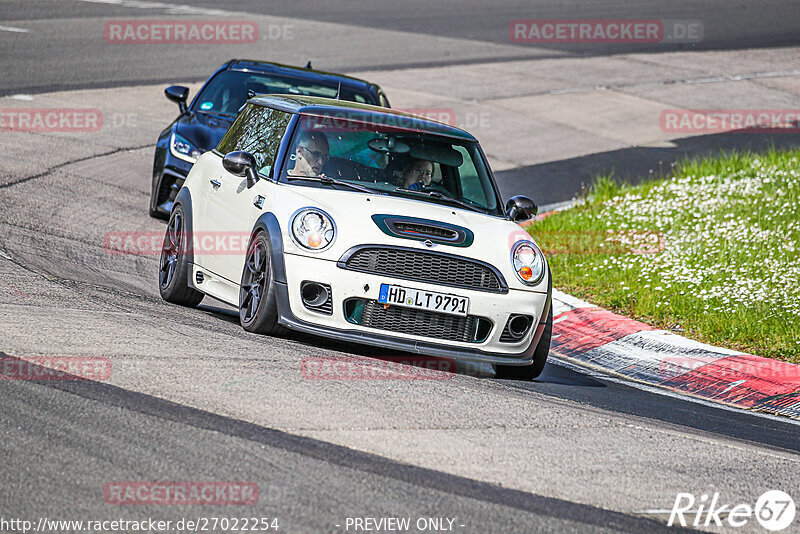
(310, 154)
(419, 171)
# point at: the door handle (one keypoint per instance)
(216, 183)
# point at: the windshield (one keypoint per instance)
(393, 160)
(227, 91)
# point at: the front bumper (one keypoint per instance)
(347, 284)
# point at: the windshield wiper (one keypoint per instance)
(325, 180)
(439, 196)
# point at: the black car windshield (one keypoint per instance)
(396, 157)
(227, 91)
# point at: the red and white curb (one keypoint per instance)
(594, 337)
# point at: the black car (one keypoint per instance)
(201, 124)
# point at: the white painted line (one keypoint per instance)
(26, 98)
(171, 9)
(733, 385)
(13, 29)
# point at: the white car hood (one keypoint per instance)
(352, 213)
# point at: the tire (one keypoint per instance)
(173, 275)
(258, 301)
(529, 372)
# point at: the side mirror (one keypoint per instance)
(241, 164)
(520, 208)
(178, 94)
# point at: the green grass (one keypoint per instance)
(711, 252)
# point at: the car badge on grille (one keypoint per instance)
(428, 243)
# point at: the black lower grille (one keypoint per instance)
(507, 336)
(325, 305)
(434, 267)
(470, 329)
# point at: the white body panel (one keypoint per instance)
(229, 209)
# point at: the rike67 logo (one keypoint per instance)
(774, 510)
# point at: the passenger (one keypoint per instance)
(310, 155)
(417, 174)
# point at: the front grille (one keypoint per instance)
(423, 322)
(436, 268)
(423, 230)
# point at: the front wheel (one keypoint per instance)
(529, 372)
(173, 275)
(258, 302)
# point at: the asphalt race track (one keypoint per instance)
(193, 397)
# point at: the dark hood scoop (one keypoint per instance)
(424, 230)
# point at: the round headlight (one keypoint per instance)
(313, 229)
(528, 262)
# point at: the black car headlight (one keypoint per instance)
(528, 262)
(313, 229)
(181, 148)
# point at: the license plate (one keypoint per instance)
(423, 300)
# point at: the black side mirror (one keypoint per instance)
(520, 208)
(179, 94)
(241, 164)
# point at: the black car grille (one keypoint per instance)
(326, 306)
(507, 337)
(469, 329)
(436, 268)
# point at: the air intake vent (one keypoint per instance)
(424, 266)
(424, 230)
(372, 314)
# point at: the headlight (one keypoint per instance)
(528, 262)
(313, 229)
(183, 149)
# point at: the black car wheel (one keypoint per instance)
(173, 275)
(258, 303)
(529, 372)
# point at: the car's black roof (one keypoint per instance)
(343, 109)
(299, 72)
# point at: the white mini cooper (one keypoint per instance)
(364, 225)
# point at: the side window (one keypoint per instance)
(471, 186)
(257, 130)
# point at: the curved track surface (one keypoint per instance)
(194, 397)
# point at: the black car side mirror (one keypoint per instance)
(178, 94)
(520, 208)
(241, 163)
